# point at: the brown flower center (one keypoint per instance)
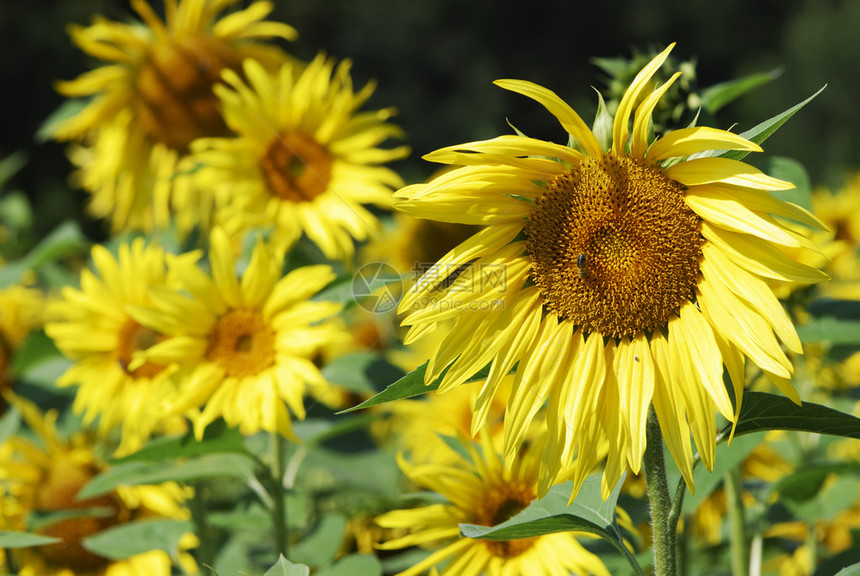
(57, 494)
(615, 248)
(501, 503)
(131, 338)
(175, 103)
(242, 343)
(296, 168)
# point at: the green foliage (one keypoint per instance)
(13, 539)
(284, 567)
(552, 513)
(132, 538)
(761, 412)
(719, 95)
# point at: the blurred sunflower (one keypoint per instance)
(152, 100)
(480, 489)
(43, 478)
(304, 158)
(615, 273)
(95, 326)
(247, 344)
(20, 313)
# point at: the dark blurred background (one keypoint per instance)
(435, 60)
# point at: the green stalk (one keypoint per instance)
(665, 563)
(738, 539)
(279, 509)
(200, 517)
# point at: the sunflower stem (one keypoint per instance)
(279, 509)
(659, 500)
(200, 517)
(738, 540)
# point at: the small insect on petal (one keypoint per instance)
(581, 262)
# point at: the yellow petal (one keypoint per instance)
(726, 171)
(566, 116)
(517, 146)
(732, 215)
(635, 374)
(687, 141)
(642, 119)
(620, 129)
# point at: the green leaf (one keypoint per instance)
(830, 330)
(137, 473)
(133, 538)
(284, 567)
(39, 520)
(853, 570)
(64, 239)
(761, 412)
(353, 565)
(13, 539)
(361, 373)
(66, 110)
(805, 483)
(15, 210)
(11, 165)
(719, 95)
(321, 545)
(762, 132)
(218, 438)
(10, 423)
(828, 504)
(409, 386)
(36, 349)
(552, 513)
(793, 171)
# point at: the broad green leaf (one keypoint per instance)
(362, 373)
(830, 330)
(853, 570)
(13, 539)
(728, 457)
(64, 239)
(38, 520)
(218, 438)
(353, 565)
(133, 538)
(137, 473)
(761, 412)
(805, 483)
(552, 513)
(284, 567)
(409, 386)
(36, 348)
(829, 503)
(762, 132)
(315, 431)
(321, 545)
(719, 95)
(793, 171)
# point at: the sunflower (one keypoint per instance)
(247, 345)
(94, 326)
(43, 478)
(304, 158)
(480, 489)
(152, 99)
(615, 275)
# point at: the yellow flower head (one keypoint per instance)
(304, 159)
(615, 277)
(481, 489)
(247, 345)
(95, 326)
(44, 477)
(152, 99)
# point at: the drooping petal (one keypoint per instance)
(688, 141)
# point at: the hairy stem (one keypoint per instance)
(661, 504)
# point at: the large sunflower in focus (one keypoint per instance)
(246, 345)
(152, 99)
(304, 158)
(614, 276)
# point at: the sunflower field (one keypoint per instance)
(377, 288)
